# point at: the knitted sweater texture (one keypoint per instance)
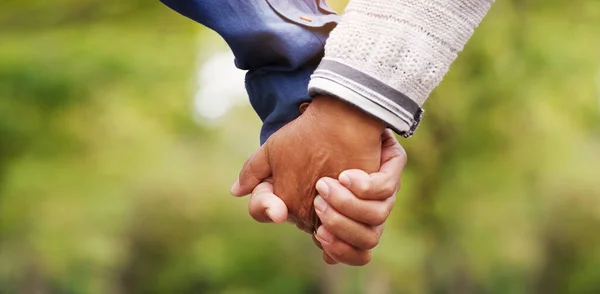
(387, 56)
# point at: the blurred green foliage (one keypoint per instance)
(108, 186)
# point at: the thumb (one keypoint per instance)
(254, 171)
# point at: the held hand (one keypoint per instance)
(354, 209)
(329, 137)
(361, 200)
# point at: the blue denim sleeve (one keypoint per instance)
(279, 42)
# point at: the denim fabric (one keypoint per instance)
(279, 42)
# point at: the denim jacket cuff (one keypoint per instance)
(277, 96)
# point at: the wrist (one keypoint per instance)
(344, 118)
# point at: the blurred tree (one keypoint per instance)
(108, 186)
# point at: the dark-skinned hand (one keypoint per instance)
(357, 206)
(329, 137)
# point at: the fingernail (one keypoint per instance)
(269, 214)
(322, 188)
(235, 187)
(320, 204)
(345, 179)
(324, 235)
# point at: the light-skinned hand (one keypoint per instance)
(354, 208)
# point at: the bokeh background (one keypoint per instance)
(123, 124)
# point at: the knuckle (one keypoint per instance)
(370, 242)
(349, 255)
(339, 253)
(364, 260)
(379, 214)
(389, 188)
(363, 187)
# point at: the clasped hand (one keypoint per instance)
(334, 172)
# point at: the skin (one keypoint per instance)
(357, 207)
(306, 158)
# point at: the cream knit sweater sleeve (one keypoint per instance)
(386, 56)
